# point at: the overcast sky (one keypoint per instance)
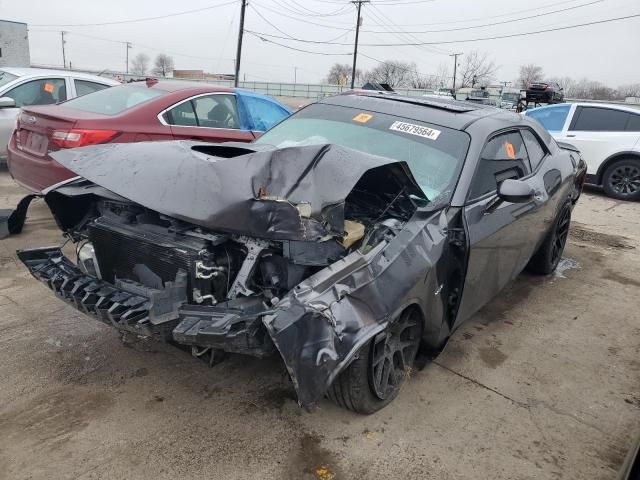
(206, 39)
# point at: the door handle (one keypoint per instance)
(570, 136)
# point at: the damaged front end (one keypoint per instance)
(307, 251)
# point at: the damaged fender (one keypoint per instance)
(320, 326)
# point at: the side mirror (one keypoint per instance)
(7, 102)
(515, 191)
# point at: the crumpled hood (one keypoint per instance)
(294, 193)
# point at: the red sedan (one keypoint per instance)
(136, 112)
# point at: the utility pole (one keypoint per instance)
(355, 46)
(455, 68)
(64, 58)
(239, 50)
(128, 45)
(295, 75)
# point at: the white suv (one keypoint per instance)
(607, 135)
(23, 87)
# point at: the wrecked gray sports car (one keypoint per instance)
(349, 237)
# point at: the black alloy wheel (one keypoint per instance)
(560, 236)
(547, 257)
(374, 377)
(622, 180)
(392, 355)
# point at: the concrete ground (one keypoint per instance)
(543, 383)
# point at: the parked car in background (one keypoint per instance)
(491, 102)
(24, 87)
(139, 111)
(510, 98)
(544, 92)
(357, 231)
(608, 137)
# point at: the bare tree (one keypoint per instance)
(566, 83)
(530, 73)
(140, 64)
(423, 82)
(443, 76)
(476, 69)
(592, 90)
(163, 65)
(340, 74)
(632, 90)
(393, 73)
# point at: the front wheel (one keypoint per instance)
(621, 179)
(546, 259)
(374, 378)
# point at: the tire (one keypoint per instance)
(361, 387)
(621, 179)
(546, 259)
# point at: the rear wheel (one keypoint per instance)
(621, 179)
(374, 378)
(546, 259)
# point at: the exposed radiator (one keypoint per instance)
(119, 250)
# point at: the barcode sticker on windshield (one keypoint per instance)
(418, 130)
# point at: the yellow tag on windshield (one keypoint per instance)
(362, 118)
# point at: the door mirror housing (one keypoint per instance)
(7, 102)
(515, 191)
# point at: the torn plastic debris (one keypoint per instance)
(12, 221)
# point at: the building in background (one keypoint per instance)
(14, 44)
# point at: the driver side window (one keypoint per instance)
(503, 157)
(210, 111)
(44, 91)
(216, 111)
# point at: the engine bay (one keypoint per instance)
(123, 241)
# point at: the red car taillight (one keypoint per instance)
(81, 137)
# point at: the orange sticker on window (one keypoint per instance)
(511, 152)
(48, 87)
(362, 118)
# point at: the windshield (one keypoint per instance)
(6, 77)
(114, 100)
(434, 154)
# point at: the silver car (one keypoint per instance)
(36, 86)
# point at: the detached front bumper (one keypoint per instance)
(161, 314)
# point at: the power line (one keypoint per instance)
(470, 40)
(408, 36)
(295, 49)
(144, 19)
(287, 36)
(312, 13)
(503, 21)
(324, 25)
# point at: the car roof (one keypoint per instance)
(38, 72)
(616, 106)
(174, 86)
(446, 112)
(178, 85)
